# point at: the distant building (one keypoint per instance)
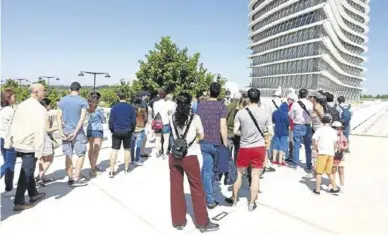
(313, 44)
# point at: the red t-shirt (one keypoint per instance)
(291, 122)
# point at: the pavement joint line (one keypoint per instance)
(296, 218)
(124, 206)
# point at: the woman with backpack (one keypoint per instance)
(186, 127)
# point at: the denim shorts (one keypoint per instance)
(165, 130)
(280, 143)
(95, 134)
(78, 145)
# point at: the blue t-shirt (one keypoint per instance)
(71, 107)
(96, 119)
(122, 118)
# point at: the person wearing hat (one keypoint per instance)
(318, 111)
(291, 98)
(325, 144)
(339, 158)
(276, 101)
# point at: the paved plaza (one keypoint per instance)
(138, 203)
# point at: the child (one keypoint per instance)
(339, 158)
(280, 139)
(325, 144)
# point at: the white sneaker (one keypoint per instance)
(139, 164)
(342, 189)
(165, 156)
(9, 193)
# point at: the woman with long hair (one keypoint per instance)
(95, 131)
(48, 147)
(183, 119)
(138, 137)
(8, 99)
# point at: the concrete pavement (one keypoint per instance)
(138, 203)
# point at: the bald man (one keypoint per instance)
(26, 134)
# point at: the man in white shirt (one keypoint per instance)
(276, 101)
(162, 108)
(26, 135)
(325, 144)
(300, 114)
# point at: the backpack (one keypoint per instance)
(180, 146)
(157, 123)
(335, 114)
(346, 115)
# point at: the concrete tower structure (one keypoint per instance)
(313, 44)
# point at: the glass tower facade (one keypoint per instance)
(313, 44)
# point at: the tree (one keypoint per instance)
(109, 96)
(172, 69)
(21, 93)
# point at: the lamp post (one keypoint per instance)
(94, 74)
(48, 79)
(21, 80)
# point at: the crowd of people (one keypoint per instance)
(203, 137)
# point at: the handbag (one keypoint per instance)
(338, 156)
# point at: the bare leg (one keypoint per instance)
(281, 156)
(237, 184)
(69, 167)
(274, 155)
(78, 166)
(127, 158)
(113, 158)
(341, 171)
(255, 174)
(166, 142)
(41, 163)
(91, 154)
(96, 150)
(318, 183)
(158, 144)
(46, 164)
(332, 181)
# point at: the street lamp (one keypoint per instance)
(94, 74)
(48, 79)
(20, 81)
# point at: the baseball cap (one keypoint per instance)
(292, 96)
(277, 93)
(336, 124)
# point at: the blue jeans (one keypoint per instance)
(26, 179)
(209, 151)
(8, 168)
(302, 132)
(137, 145)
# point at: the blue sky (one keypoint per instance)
(60, 38)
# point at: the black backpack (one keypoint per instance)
(180, 146)
(335, 114)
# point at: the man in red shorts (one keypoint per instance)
(250, 123)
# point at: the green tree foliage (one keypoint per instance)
(108, 96)
(171, 68)
(21, 93)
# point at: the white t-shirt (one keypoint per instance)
(6, 114)
(171, 107)
(195, 129)
(326, 137)
(162, 108)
